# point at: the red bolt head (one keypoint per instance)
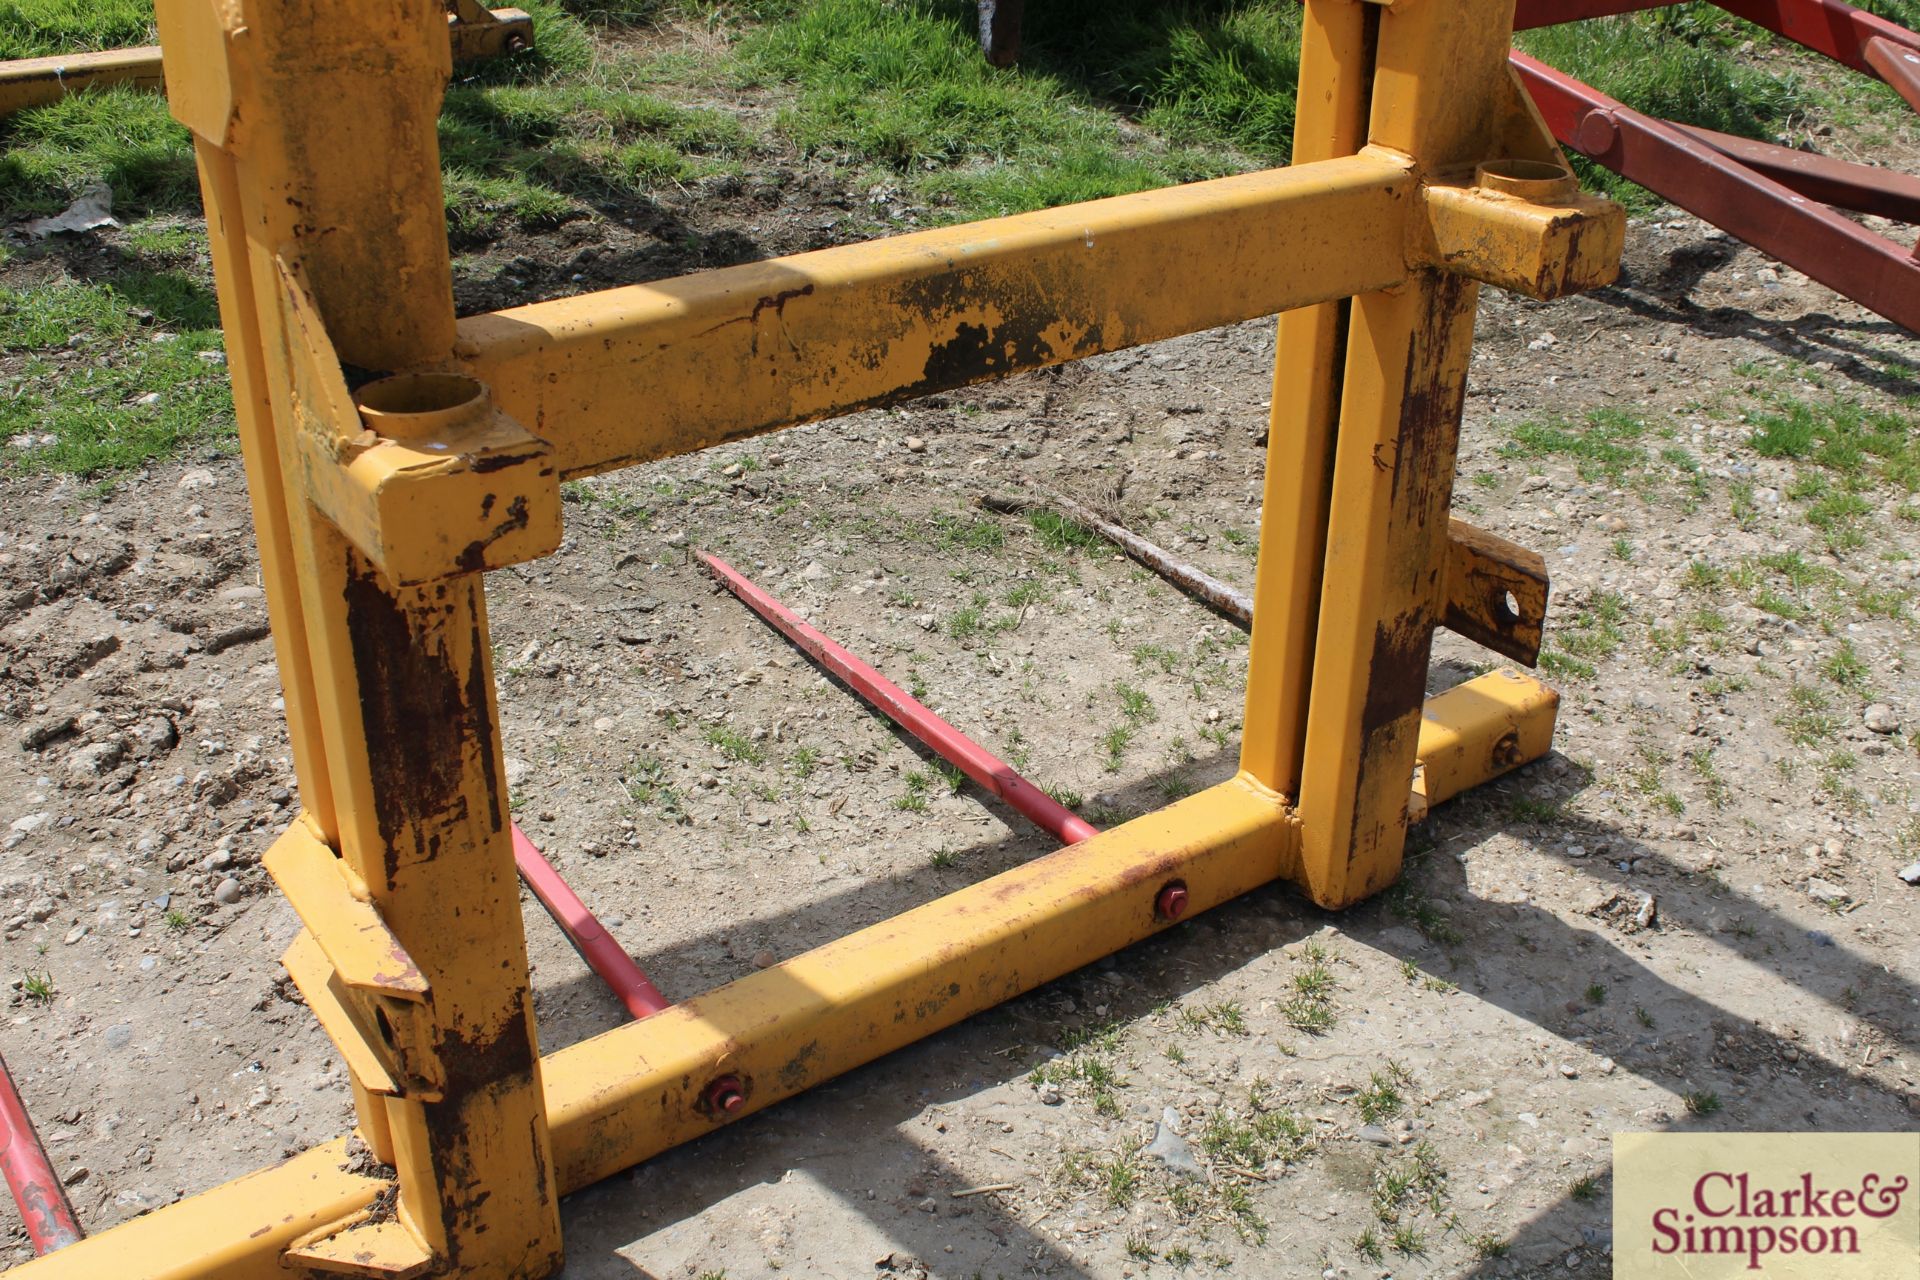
(726, 1095)
(1171, 902)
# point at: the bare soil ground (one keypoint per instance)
(1628, 935)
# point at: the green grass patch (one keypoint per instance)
(36, 28)
(146, 380)
(536, 154)
(1604, 444)
(1059, 534)
(901, 87)
(50, 154)
(1860, 443)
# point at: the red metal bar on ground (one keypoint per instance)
(43, 1202)
(1875, 272)
(974, 760)
(1862, 188)
(604, 955)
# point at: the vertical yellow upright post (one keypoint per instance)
(316, 133)
(1330, 120)
(1439, 84)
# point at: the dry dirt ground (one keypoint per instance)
(1630, 934)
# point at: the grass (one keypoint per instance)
(900, 89)
(916, 799)
(1253, 1142)
(38, 988)
(117, 136)
(735, 746)
(1488, 1246)
(953, 533)
(34, 28)
(1595, 633)
(1603, 444)
(647, 785)
(1381, 1099)
(1808, 720)
(146, 380)
(1088, 1063)
(1060, 535)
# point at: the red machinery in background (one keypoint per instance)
(1783, 201)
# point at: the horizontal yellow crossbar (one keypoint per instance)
(650, 371)
(34, 82)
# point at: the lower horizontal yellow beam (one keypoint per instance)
(635, 1091)
(645, 1087)
(234, 1232)
(1478, 730)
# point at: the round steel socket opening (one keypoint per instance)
(413, 405)
(1529, 179)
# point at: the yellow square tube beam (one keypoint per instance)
(34, 82)
(635, 1091)
(1336, 43)
(651, 371)
(639, 1089)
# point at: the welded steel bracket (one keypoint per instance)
(476, 32)
(420, 470)
(1496, 592)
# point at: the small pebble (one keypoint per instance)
(227, 891)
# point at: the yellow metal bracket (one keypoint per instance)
(419, 470)
(1524, 225)
(1496, 592)
(358, 979)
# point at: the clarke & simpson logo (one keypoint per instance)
(1763, 1204)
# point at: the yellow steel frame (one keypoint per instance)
(394, 454)
(475, 32)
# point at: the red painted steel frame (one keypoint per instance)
(1897, 64)
(1886, 192)
(43, 1204)
(974, 760)
(604, 955)
(1875, 272)
(1831, 27)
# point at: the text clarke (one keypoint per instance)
(1730, 1203)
